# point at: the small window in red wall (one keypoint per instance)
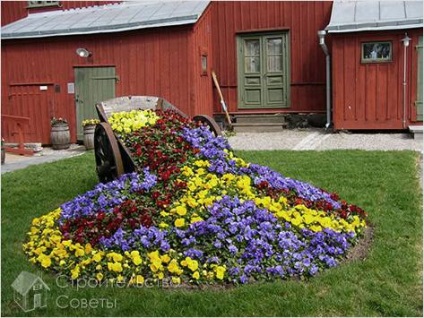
(376, 52)
(203, 61)
(40, 4)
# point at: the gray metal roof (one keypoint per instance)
(105, 19)
(363, 15)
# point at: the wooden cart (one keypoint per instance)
(112, 156)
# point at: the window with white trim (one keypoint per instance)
(376, 52)
(38, 4)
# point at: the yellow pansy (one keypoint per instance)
(196, 275)
(220, 272)
(165, 258)
(115, 267)
(181, 210)
(67, 243)
(180, 222)
(191, 202)
(192, 264)
(153, 255)
(55, 239)
(202, 163)
(44, 260)
(61, 253)
(88, 248)
(173, 267)
(137, 260)
(115, 256)
(195, 219)
(79, 252)
(129, 121)
(187, 171)
(98, 257)
(99, 276)
(75, 272)
(316, 228)
(163, 225)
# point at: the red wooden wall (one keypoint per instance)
(164, 62)
(15, 10)
(156, 62)
(201, 83)
(12, 11)
(302, 18)
(370, 95)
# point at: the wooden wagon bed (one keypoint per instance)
(112, 156)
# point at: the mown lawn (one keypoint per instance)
(388, 282)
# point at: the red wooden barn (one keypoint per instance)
(266, 55)
(376, 64)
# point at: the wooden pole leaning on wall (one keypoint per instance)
(224, 106)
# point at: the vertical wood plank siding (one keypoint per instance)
(201, 84)
(166, 61)
(307, 63)
(15, 10)
(148, 62)
(370, 95)
(12, 11)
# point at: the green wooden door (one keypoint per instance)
(92, 85)
(419, 101)
(263, 71)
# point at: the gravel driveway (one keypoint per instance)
(318, 139)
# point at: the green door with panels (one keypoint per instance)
(419, 101)
(263, 70)
(92, 85)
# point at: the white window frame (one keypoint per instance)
(41, 4)
(383, 54)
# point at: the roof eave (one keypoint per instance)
(102, 29)
(344, 29)
(376, 26)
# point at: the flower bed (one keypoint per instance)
(193, 213)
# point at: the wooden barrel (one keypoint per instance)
(89, 136)
(60, 136)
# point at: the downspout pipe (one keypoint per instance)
(405, 41)
(321, 37)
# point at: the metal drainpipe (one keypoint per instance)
(405, 41)
(321, 36)
(404, 88)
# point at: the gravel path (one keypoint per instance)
(320, 140)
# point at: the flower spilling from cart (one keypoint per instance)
(193, 212)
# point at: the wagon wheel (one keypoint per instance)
(109, 164)
(205, 119)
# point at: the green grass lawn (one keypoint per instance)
(388, 282)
